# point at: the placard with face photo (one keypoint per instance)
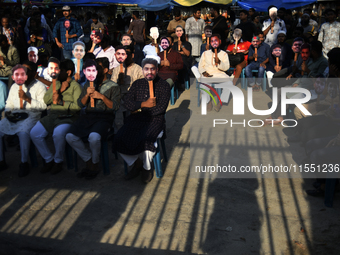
(90, 70)
(96, 37)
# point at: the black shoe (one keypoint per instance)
(91, 174)
(3, 165)
(57, 168)
(24, 169)
(147, 175)
(294, 139)
(47, 167)
(135, 171)
(316, 185)
(306, 160)
(315, 192)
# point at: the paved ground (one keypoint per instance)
(177, 214)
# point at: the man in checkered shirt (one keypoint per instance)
(74, 32)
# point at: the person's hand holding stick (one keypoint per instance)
(92, 99)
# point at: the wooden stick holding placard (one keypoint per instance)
(164, 55)
(54, 88)
(21, 100)
(121, 68)
(92, 99)
(151, 89)
(236, 46)
(272, 29)
(179, 47)
(78, 66)
(216, 57)
(277, 61)
(256, 54)
(303, 63)
(295, 58)
(67, 36)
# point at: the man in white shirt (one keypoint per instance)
(106, 50)
(194, 28)
(23, 109)
(272, 26)
(210, 66)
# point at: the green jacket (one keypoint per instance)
(62, 114)
(11, 59)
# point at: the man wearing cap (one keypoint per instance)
(287, 52)
(32, 54)
(40, 76)
(74, 32)
(36, 12)
(272, 26)
(307, 28)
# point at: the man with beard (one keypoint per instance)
(314, 64)
(285, 58)
(257, 61)
(67, 39)
(127, 72)
(171, 62)
(64, 111)
(248, 28)
(194, 27)
(23, 109)
(208, 33)
(272, 26)
(141, 129)
(9, 57)
(220, 26)
(210, 66)
(307, 28)
(94, 125)
(106, 50)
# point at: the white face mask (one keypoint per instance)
(154, 33)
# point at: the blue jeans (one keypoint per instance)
(67, 54)
(249, 75)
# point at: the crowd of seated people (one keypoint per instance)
(52, 76)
